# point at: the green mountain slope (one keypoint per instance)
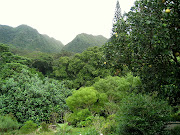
(83, 41)
(26, 38)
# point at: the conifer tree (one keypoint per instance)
(117, 17)
(116, 50)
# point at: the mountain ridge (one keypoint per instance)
(83, 41)
(28, 38)
(24, 37)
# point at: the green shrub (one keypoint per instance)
(78, 116)
(117, 87)
(28, 127)
(99, 123)
(87, 122)
(7, 123)
(85, 102)
(63, 129)
(110, 125)
(91, 131)
(175, 131)
(30, 97)
(176, 116)
(44, 126)
(142, 115)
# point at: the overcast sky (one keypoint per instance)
(62, 19)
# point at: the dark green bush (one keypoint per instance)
(176, 116)
(28, 127)
(175, 131)
(7, 123)
(142, 115)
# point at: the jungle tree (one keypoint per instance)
(151, 46)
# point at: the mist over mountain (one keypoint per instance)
(26, 38)
(82, 41)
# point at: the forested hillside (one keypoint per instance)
(82, 41)
(24, 37)
(128, 86)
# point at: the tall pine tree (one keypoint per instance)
(116, 50)
(117, 17)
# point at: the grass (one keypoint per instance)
(75, 131)
(17, 132)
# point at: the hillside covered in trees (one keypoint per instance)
(128, 86)
(24, 37)
(83, 41)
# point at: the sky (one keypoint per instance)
(63, 19)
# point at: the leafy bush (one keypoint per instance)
(116, 87)
(176, 116)
(7, 123)
(109, 125)
(85, 102)
(99, 123)
(142, 114)
(86, 97)
(63, 129)
(8, 57)
(79, 117)
(29, 97)
(174, 131)
(28, 127)
(44, 126)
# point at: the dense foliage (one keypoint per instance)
(27, 95)
(102, 99)
(128, 86)
(43, 63)
(28, 127)
(84, 103)
(141, 115)
(7, 123)
(147, 42)
(82, 69)
(116, 88)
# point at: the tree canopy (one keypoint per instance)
(147, 41)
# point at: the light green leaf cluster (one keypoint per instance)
(103, 98)
(117, 87)
(7, 123)
(84, 98)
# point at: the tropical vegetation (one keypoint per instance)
(128, 86)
